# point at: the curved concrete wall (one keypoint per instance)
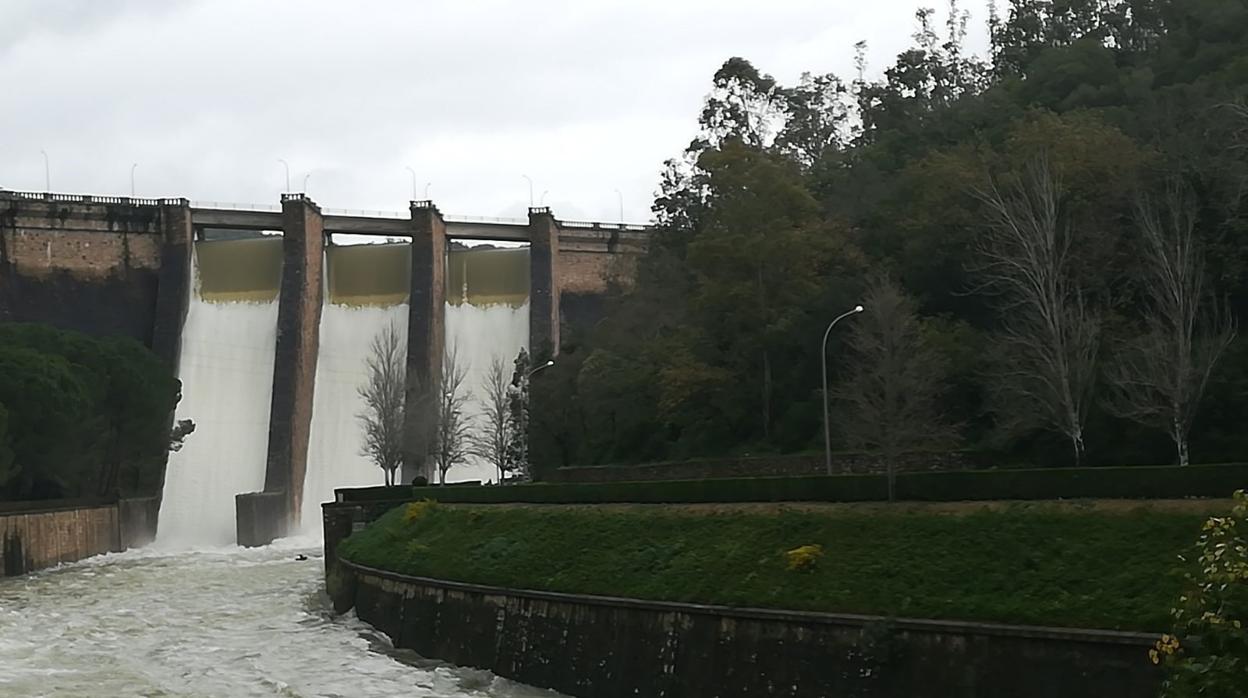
(608, 647)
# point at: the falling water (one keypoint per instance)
(487, 317)
(367, 290)
(226, 369)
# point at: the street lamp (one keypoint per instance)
(530, 181)
(548, 364)
(409, 169)
(47, 172)
(542, 201)
(305, 182)
(287, 166)
(427, 185)
(132, 168)
(823, 362)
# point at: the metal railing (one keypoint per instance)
(235, 206)
(638, 227)
(365, 213)
(486, 219)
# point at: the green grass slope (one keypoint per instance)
(1093, 565)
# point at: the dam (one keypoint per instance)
(268, 312)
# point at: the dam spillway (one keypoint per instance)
(366, 291)
(134, 269)
(226, 369)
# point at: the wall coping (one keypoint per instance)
(1082, 635)
(43, 506)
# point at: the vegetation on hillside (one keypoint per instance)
(1064, 220)
(1081, 565)
(81, 416)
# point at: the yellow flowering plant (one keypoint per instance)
(803, 558)
(1207, 655)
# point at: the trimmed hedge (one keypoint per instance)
(1153, 482)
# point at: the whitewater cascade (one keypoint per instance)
(367, 289)
(226, 369)
(487, 316)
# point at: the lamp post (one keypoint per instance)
(542, 200)
(47, 172)
(287, 166)
(427, 185)
(823, 362)
(132, 169)
(413, 173)
(548, 364)
(305, 182)
(530, 181)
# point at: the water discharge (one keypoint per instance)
(487, 318)
(226, 369)
(367, 291)
(211, 622)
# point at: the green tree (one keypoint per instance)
(48, 442)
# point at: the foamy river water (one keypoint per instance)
(214, 622)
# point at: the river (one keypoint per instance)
(210, 622)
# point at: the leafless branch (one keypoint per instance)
(1051, 339)
(1160, 377)
(383, 394)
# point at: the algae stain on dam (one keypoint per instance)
(226, 369)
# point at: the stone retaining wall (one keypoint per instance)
(612, 648)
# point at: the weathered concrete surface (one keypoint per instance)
(260, 518)
(294, 365)
(137, 521)
(612, 648)
(426, 335)
(34, 535)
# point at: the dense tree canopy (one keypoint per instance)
(791, 199)
(85, 416)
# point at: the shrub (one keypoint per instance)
(1135, 482)
(804, 558)
(417, 510)
(1207, 655)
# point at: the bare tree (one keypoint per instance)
(491, 441)
(452, 426)
(1051, 339)
(1161, 375)
(383, 393)
(891, 398)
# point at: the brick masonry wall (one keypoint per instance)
(88, 239)
(768, 466)
(90, 267)
(596, 261)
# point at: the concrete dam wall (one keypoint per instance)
(258, 307)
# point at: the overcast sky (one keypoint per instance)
(585, 97)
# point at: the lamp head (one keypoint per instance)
(550, 362)
(858, 308)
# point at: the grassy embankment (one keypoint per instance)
(1094, 565)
